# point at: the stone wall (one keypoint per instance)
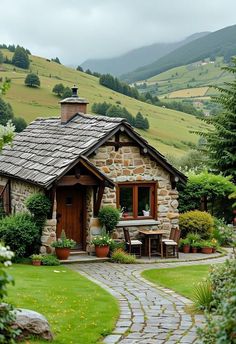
(20, 191)
(129, 165)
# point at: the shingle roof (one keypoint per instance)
(45, 149)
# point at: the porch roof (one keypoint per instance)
(46, 149)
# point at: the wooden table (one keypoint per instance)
(149, 235)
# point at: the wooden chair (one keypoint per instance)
(173, 243)
(132, 243)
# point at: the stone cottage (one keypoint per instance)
(83, 162)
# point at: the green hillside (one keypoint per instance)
(193, 77)
(169, 130)
(218, 43)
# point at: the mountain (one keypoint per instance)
(171, 132)
(218, 43)
(136, 58)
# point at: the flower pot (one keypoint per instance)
(213, 250)
(102, 251)
(36, 262)
(62, 253)
(186, 248)
(206, 250)
(194, 249)
(146, 212)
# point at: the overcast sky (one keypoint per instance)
(75, 30)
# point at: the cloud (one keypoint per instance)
(75, 30)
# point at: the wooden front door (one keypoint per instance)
(70, 206)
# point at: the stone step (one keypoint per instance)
(78, 253)
(83, 259)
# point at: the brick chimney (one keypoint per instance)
(71, 106)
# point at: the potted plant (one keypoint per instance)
(36, 259)
(206, 247)
(194, 239)
(214, 243)
(102, 245)
(146, 212)
(109, 217)
(63, 246)
(185, 245)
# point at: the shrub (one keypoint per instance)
(21, 234)
(7, 316)
(119, 256)
(50, 260)
(39, 206)
(109, 217)
(202, 295)
(196, 221)
(223, 233)
(117, 245)
(220, 325)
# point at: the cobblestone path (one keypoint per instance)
(148, 314)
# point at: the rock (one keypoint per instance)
(32, 324)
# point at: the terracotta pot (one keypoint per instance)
(36, 262)
(101, 251)
(194, 249)
(206, 250)
(62, 253)
(186, 248)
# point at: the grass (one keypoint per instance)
(78, 310)
(194, 75)
(189, 93)
(167, 128)
(181, 279)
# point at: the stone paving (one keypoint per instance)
(148, 314)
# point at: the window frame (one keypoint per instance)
(135, 186)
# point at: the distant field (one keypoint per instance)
(169, 130)
(194, 76)
(189, 93)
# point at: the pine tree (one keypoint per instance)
(21, 58)
(139, 121)
(221, 141)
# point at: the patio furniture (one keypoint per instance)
(173, 244)
(136, 244)
(151, 236)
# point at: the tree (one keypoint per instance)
(56, 60)
(6, 113)
(19, 123)
(221, 142)
(7, 132)
(58, 89)
(139, 121)
(67, 93)
(20, 58)
(1, 57)
(80, 69)
(32, 80)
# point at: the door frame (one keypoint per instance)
(84, 215)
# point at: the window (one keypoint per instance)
(5, 202)
(137, 200)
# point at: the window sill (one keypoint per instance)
(130, 223)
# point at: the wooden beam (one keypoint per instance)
(98, 199)
(121, 144)
(73, 180)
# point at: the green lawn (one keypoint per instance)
(181, 279)
(78, 310)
